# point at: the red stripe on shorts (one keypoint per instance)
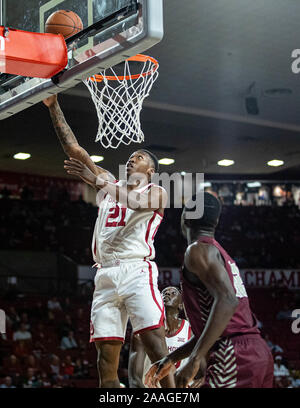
(154, 233)
(190, 332)
(147, 235)
(106, 338)
(157, 326)
(95, 247)
(151, 287)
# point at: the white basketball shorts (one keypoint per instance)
(126, 290)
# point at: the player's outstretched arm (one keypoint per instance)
(155, 199)
(75, 167)
(136, 361)
(202, 260)
(66, 136)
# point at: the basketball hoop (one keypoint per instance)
(119, 99)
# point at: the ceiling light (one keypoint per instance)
(225, 162)
(97, 159)
(22, 156)
(203, 185)
(166, 161)
(254, 184)
(183, 173)
(275, 163)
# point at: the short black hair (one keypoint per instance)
(153, 158)
(212, 211)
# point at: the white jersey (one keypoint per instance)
(182, 335)
(123, 234)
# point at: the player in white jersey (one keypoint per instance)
(123, 233)
(130, 212)
(178, 332)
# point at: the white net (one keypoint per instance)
(119, 99)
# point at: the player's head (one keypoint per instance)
(212, 208)
(142, 161)
(172, 298)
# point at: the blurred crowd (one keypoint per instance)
(47, 340)
(46, 345)
(48, 225)
(255, 193)
(255, 236)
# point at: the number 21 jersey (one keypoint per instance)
(123, 234)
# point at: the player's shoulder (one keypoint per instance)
(156, 187)
(158, 196)
(200, 254)
(202, 249)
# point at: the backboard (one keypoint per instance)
(113, 30)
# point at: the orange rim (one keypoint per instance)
(139, 58)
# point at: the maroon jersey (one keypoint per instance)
(198, 301)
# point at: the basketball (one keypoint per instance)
(64, 22)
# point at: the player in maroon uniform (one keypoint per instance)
(227, 349)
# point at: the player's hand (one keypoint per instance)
(158, 371)
(185, 375)
(197, 383)
(50, 101)
(79, 169)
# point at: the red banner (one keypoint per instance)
(254, 278)
(271, 277)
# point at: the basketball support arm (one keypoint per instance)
(34, 90)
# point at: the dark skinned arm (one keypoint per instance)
(136, 361)
(203, 261)
(154, 199)
(67, 138)
(77, 168)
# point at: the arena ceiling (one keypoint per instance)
(213, 55)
